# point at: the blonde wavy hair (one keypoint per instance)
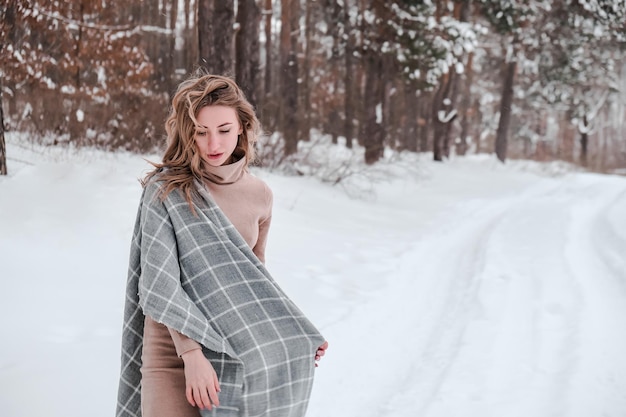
(182, 163)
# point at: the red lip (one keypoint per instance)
(215, 156)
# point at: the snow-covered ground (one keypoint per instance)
(467, 288)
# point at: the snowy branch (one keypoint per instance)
(130, 29)
(584, 127)
(446, 118)
(594, 111)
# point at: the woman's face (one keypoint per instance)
(216, 134)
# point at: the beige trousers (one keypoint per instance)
(162, 375)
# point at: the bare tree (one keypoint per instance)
(349, 100)
(168, 48)
(7, 28)
(411, 104)
(3, 149)
(441, 115)
(223, 25)
(215, 26)
(268, 13)
(371, 123)
(73, 61)
(506, 102)
(444, 106)
(248, 55)
(373, 139)
(267, 106)
(305, 85)
(290, 15)
(204, 27)
(466, 107)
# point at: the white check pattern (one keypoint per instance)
(197, 275)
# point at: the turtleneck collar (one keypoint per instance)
(226, 174)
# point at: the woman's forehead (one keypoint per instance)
(216, 116)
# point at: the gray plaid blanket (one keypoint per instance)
(197, 275)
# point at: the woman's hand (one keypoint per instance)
(201, 380)
(321, 351)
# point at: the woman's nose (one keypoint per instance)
(211, 142)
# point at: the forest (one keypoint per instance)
(522, 79)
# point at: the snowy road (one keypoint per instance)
(470, 289)
(527, 317)
(513, 305)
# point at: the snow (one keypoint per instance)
(468, 288)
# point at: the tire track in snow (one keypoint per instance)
(610, 239)
(409, 286)
(489, 314)
(599, 382)
(449, 288)
(503, 341)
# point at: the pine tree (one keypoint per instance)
(579, 61)
(516, 23)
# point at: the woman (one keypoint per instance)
(207, 331)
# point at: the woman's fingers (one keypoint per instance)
(189, 395)
(321, 351)
(216, 382)
(213, 396)
(205, 397)
(201, 380)
(205, 400)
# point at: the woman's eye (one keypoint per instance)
(224, 131)
(200, 133)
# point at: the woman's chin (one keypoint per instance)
(215, 162)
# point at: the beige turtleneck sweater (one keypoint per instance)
(247, 202)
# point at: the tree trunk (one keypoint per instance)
(248, 55)
(411, 112)
(424, 121)
(289, 73)
(465, 106)
(223, 24)
(438, 116)
(190, 51)
(478, 126)
(461, 148)
(215, 36)
(332, 117)
(584, 142)
(461, 13)
(75, 126)
(360, 71)
(268, 109)
(440, 94)
(451, 113)
(150, 17)
(204, 27)
(135, 12)
(349, 101)
(9, 19)
(305, 87)
(505, 111)
(170, 58)
(390, 119)
(3, 149)
(268, 12)
(374, 133)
